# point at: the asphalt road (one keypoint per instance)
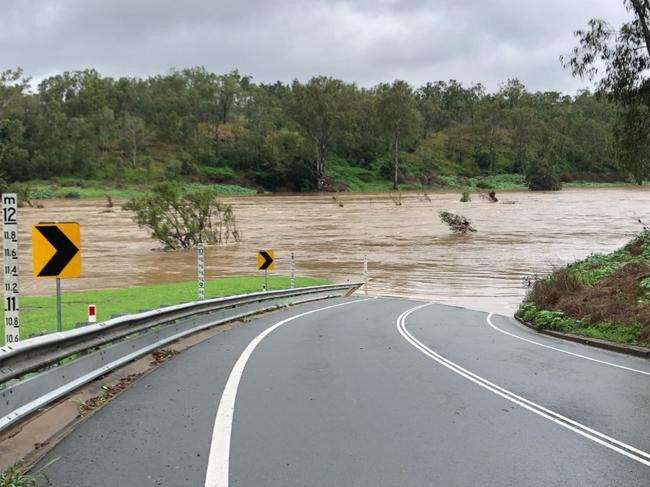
(366, 393)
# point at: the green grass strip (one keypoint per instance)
(38, 314)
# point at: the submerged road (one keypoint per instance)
(377, 392)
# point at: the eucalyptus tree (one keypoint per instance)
(13, 89)
(620, 60)
(398, 115)
(321, 107)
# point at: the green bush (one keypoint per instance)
(541, 175)
(645, 289)
(41, 193)
(597, 267)
(183, 217)
(484, 185)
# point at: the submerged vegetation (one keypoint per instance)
(457, 223)
(182, 218)
(603, 296)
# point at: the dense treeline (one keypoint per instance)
(197, 125)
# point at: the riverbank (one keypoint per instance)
(355, 180)
(38, 314)
(605, 296)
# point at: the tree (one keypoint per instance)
(182, 218)
(541, 174)
(399, 117)
(321, 109)
(208, 127)
(621, 59)
(13, 85)
(633, 135)
(134, 132)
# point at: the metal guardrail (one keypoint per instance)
(40, 370)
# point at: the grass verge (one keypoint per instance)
(72, 189)
(38, 314)
(356, 179)
(604, 296)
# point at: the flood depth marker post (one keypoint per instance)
(201, 270)
(10, 264)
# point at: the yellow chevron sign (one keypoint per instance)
(265, 260)
(56, 250)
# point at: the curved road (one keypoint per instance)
(378, 392)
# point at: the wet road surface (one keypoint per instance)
(378, 392)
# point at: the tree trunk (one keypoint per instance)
(320, 164)
(135, 149)
(396, 161)
(642, 13)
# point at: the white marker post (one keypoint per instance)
(365, 273)
(10, 246)
(201, 270)
(92, 313)
(292, 283)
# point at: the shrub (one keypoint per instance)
(41, 193)
(72, 195)
(181, 218)
(484, 185)
(547, 292)
(465, 197)
(457, 223)
(541, 175)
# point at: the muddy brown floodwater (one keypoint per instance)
(411, 253)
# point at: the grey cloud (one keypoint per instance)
(364, 41)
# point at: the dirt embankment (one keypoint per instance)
(603, 296)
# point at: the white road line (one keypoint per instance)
(564, 351)
(218, 470)
(600, 438)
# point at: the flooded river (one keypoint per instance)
(411, 253)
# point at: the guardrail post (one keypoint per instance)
(365, 273)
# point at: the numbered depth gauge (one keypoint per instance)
(10, 261)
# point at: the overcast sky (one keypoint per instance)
(365, 41)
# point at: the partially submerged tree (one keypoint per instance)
(182, 218)
(457, 223)
(542, 175)
(620, 58)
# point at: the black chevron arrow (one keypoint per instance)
(65, 251)
(268, 260)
